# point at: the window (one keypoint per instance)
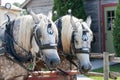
(110, 19)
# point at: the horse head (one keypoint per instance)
(75, 37)
(82, 38)
(45, 39)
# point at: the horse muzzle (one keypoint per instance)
(52, 63)
(85, 68)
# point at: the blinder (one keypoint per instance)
(49, 29)
(84, 36)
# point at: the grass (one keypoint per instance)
(115, 68)
(101, 78)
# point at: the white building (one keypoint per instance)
(13, 12)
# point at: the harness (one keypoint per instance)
(80, 50)
(8, 49)
(9, 45)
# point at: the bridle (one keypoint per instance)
(37, 35)
(82, 50)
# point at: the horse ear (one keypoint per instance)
(35, 18)
(50, 15)
(89, 20)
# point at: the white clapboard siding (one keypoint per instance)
(40, 6)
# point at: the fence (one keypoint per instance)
(106, 59)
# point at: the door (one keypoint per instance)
(109, 16)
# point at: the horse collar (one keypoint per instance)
(9, 45)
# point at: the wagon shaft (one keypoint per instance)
(52, 75)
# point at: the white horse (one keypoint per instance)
(22, 40)
(75, 37)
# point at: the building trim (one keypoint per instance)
(25, 3)
(103, 27)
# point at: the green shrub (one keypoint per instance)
(62, 6)
(116, 31)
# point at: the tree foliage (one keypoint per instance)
(116, 31)
(62, 6)
(16, 4)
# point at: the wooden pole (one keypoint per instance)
(106, 65)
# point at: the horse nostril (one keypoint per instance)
(51, 62)
(86, 68)
(54, 62)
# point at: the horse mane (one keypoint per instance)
(25, 31)
(67, 30)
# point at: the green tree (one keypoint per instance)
(62, 6)
(116, 31)
(16, 4)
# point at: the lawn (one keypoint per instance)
(101, 78)
(115, 68)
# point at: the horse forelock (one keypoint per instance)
(67, 31)
(88, 29)
(44, 23)
(55, 29)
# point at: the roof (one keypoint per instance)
(0, 2)
(25, 3)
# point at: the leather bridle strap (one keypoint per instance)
(49, 46)
(45, 46)
(82, 51)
